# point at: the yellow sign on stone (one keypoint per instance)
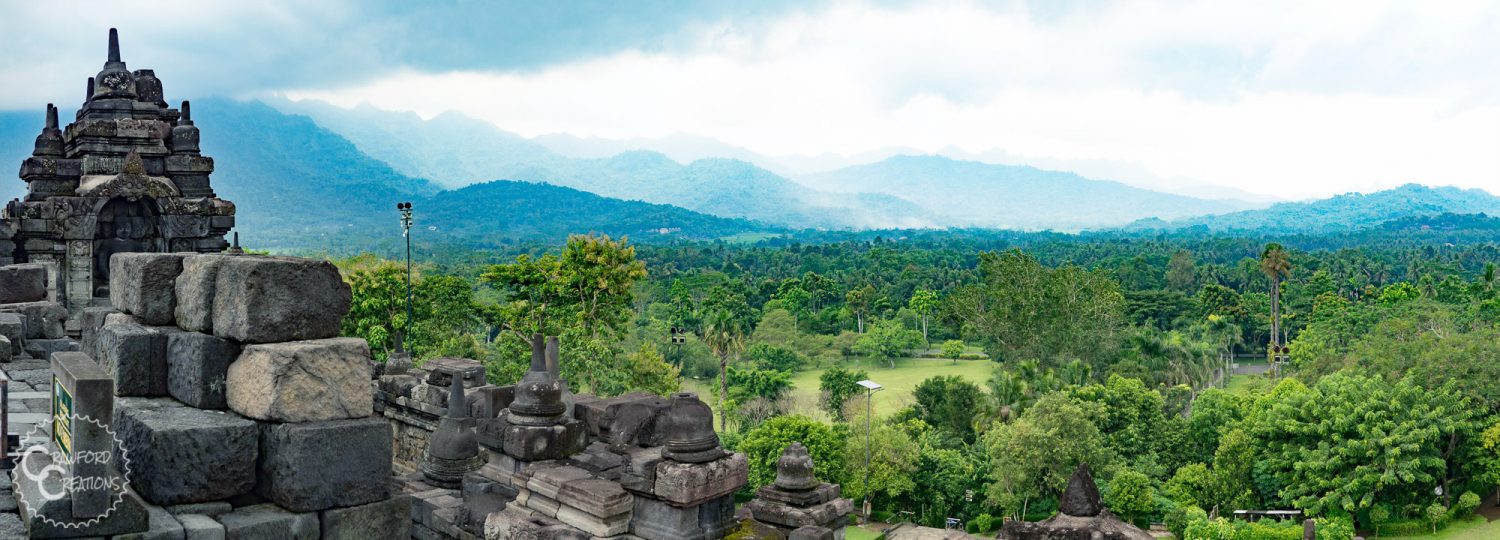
(62, 418)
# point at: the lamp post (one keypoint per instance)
(870, 387)
(405, 208)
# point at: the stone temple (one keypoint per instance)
(124, 176)
(165, 388)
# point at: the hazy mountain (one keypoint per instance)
(456, 150)
(452, 149)
(687, 148)
(1345, 212)
(297, 184)
(971, 193)
(483, 212)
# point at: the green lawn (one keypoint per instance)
(748, 237)
(856, 533)
(1478, 529)
(898, 382)
(1242, 384)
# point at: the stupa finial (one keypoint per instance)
(88, 94)
(187, 113)
(114, 45)
(51, 116)
(456, 408)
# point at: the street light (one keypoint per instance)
(871, 387)
(405, 208)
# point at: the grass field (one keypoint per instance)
(748, 237)
(1241, 384)
(899, 382)
(1478, 529)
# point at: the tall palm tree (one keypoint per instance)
(725, 336)
(1276, 265)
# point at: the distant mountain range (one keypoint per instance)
(1346, 212)
(299, 185)
(331, 178)
(970, 193)
(898, 192)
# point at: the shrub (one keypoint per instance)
(1404, 528)
(1335, 528)
(775, 358)
(981, 524)
(1467, 503)
(1206, 529)
(1178, 518)
(1436, 515)
(1380, 514)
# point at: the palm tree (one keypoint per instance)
(1007, 393)
(1224, 335)
(1276, 265)
(726, 337)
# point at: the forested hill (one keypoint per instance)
(456, 150)
(1349, 212)
(299, 186)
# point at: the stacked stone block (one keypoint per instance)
(247, 423)
(31, 327)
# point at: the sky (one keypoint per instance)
(1288, 98)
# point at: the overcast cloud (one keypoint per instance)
(1290, 98)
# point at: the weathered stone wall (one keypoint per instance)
(251, 423)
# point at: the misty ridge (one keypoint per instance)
(482, 185)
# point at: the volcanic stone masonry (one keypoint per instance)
(231, 408)
(125, 176)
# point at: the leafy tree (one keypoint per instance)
(1021, 309)
(1131, 494)
(859, 301)
(953, 349)
(1214, 412)
(893, 461)
(925, 303)
(1182, 274)
(1034, 456)
(1234, 471)
(1489, 456)
(647, 371)
(1129, 413)
(764, 444)
(949, 404)
(1436, 514)
(948, 482)
(444, 310)
(887, 339)
(795, 299)
(1342, 444)
(1192, 485)
(774, 358)
(598, 274)
(838, 385)
(756, 394)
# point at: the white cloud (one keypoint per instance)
(1292, 98)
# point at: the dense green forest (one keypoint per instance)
(1109, 348)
